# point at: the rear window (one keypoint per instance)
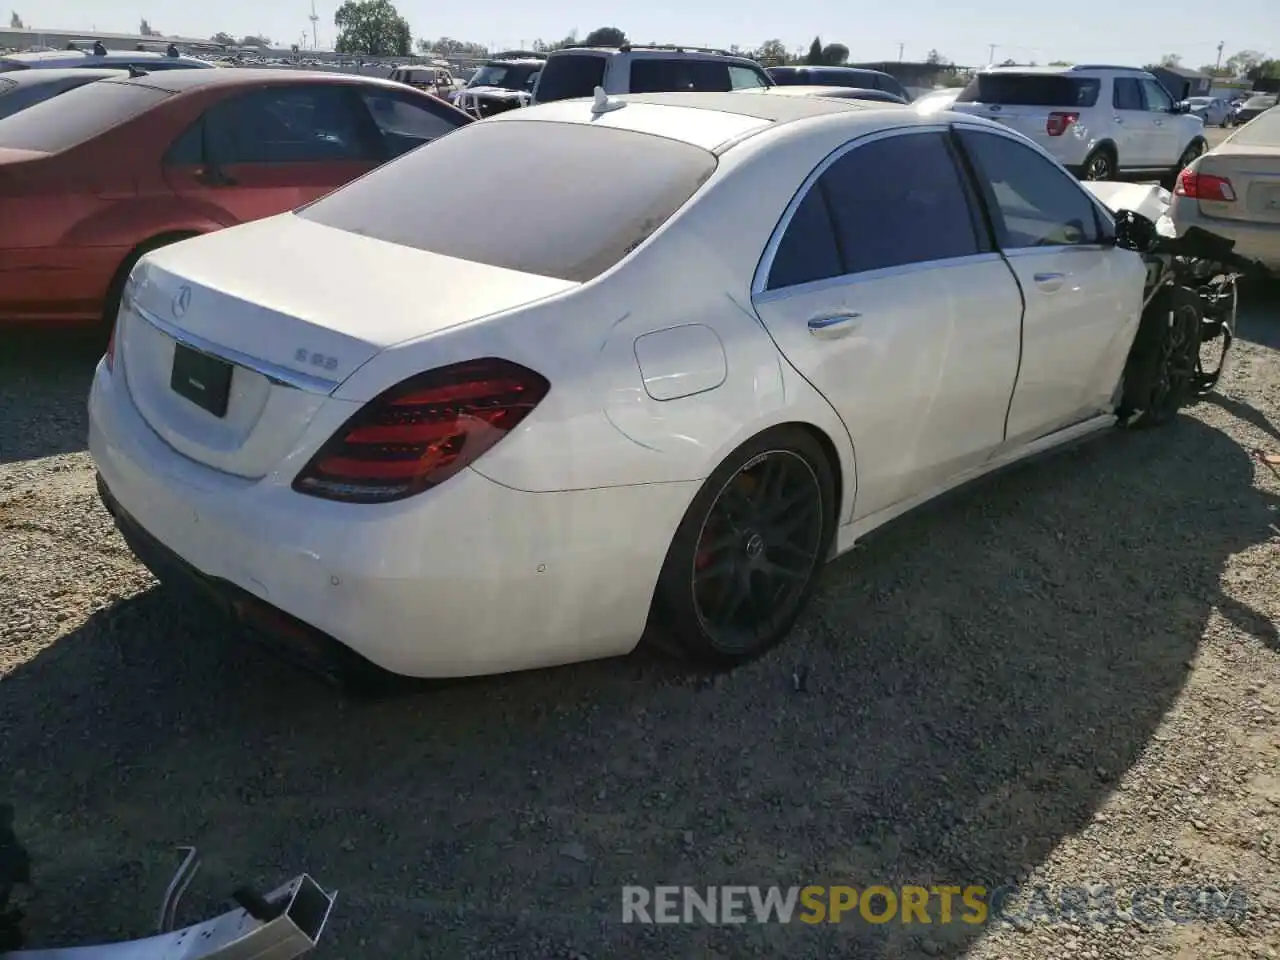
(653, 75)
(7, 65)
(77, 115)
(569, 75)
(1262, 131)
(546, 177)
(1031, 90)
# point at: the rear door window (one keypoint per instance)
(303, 124)
(658, 75)
(1127, 94)
(77, 115)
(565, 76)
(1031, 90)
(923, 213)
(460, 197)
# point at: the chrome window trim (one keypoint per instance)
(760, 279)
(870, 276)
(277, 374)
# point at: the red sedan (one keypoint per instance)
(93, 179)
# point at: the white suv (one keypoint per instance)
(577, 71)
(1098, 121)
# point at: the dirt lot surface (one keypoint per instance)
(1068, 675)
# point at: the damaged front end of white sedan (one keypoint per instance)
(1189, 304)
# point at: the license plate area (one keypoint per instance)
(202, 379)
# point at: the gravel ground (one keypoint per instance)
(1068, 675)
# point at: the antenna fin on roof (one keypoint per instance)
(604, 104)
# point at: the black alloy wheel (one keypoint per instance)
(747, 554)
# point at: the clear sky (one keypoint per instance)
(1139, 31)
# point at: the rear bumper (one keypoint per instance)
(471, 578)
(1256, 241)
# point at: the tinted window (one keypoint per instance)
(570, 75)
(1032, 202)
(807, 251)
(507, 76)
(744, 78)
(13, 100)
(1031, 90)
(1158, 98)
(544, 175)
(77, 115)
(921, 212)
(7, 65)
(654, 75)
(1127, 94)
(404, 123)
(788, 77)
(290, 125)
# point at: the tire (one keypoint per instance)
(1194, 149)
(762, 523)
(1160, 372)
(111, 303)
(1101, 164)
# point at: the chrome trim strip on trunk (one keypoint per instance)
(277, 374)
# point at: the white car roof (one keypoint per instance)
(713, 121)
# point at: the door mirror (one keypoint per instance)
(1182, 107)
(1135, 232)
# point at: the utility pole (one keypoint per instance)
(991, 53)
(900, 48)
(1218, 65)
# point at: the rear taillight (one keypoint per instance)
(1058, 123)
(1204, 186)
(421, 432)
(110, 355)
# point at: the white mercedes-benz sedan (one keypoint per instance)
(603, 364)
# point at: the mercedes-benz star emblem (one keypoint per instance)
(182, 301)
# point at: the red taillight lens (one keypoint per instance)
(1058, 123)
(110, 355)
(421, 432)
(1204, 186)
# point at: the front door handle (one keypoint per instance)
(834, 325)
(1049, 282)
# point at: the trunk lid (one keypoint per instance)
(293, 308)
(1254, 172)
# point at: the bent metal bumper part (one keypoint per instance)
(285, 923)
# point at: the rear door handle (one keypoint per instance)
(1049, 282)
(834, 325)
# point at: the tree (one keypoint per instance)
(605, 37)
(1266, 70)
(226, 39)
(936, 59)
(144, 28)
(1212, 70)
(772, 50)
(1171, 60)
(15, 22)
(374, 27)
(835, 54)
(460, 49)
(1060, 63)
(814, 57)
(254, 41)
(1244, 61)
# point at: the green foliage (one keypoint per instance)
(814, 57)
(372, 27)
(605, 37)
